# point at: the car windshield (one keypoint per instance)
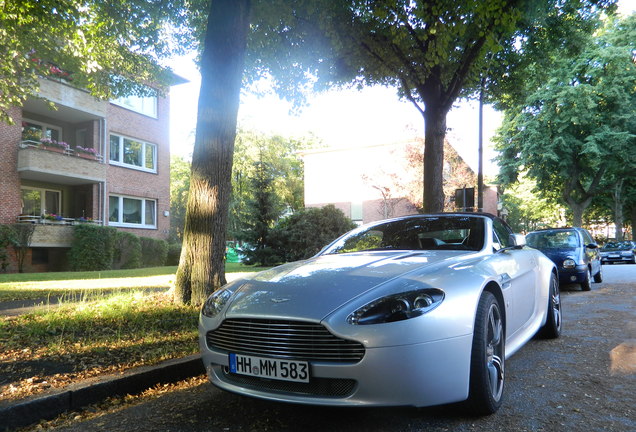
(618, 246)
(423, 233)
(553, 240)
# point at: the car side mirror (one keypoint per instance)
(591, 246)
(517, 240)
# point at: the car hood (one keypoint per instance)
(316, 287)
(558, 255)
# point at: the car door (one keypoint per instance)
(517, 267)
(592, 254)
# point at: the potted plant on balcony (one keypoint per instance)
(52, 217)
(52, 145)
(86, 153)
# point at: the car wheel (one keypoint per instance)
(586, 285)
(598, 277)
(552, 327)
(487, 357)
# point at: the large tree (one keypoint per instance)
(201, 268)
(577, 127)
(432, 51)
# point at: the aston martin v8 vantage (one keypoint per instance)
(419, 310)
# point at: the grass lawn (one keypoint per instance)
(74, 286)
(107, 322)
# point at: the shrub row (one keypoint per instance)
(102, 248)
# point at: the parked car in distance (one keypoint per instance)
(623, 252)
(419, 310)
(573, 251)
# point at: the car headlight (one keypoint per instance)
(569, 263)
(397, 307)
(215, 303)
(626, 253)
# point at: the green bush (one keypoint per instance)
(154, 252)
(174, 254)
(306, 232)
(92, 248)
(6, 240)
(127, 252)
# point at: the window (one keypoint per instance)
(133, 153)
(132, 212)
(501, 233)
(33, 131)
(37, 202)
(146, 105)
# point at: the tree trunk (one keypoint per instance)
(201, 267)
(618, 209)
(434, 134)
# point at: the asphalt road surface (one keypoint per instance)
(583, 381)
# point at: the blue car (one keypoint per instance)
(573, 251)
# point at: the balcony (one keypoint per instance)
(58, 165)
(53, 232)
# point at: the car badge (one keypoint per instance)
(279, 300)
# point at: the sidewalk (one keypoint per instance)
(23, 413)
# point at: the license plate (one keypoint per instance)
(613, 256)
(285, 370)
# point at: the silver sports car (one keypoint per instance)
(418, 310)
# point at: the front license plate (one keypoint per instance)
(613, 256)
(286, 370)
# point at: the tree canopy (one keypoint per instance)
(432, 51)
(578, 127)
(108, 48)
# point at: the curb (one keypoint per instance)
(76, 396)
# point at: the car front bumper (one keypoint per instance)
(577, 274)
(617, 259)
(424, 374)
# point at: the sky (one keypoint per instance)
(373, 115)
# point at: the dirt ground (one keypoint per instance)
(584, 381)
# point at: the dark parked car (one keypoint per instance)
(574, 252)
(624, 251)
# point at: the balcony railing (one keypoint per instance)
(60, 149)
(56, 220)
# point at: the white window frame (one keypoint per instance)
(121, 162)
(120, 212)
(42, 198)
(44, 127)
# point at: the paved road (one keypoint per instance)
(584, 381)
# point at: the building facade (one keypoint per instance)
(88, 161)
(374, 182)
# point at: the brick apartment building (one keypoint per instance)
(374, 182)
(111, 166)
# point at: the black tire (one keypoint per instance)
(586, 285)
(598, 277)
(552, 327)
(487, 361)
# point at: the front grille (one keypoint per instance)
(317, 387)
(283, 339)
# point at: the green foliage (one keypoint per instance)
(127, 251)
(579, 125)
(284, 165)
(108, 48)
(92, 247)
(528, 209)
(21, 239)
(304, 233)
(6, 240)
(174, 253)
(179, 188)
(263, 211)
(154, 252)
